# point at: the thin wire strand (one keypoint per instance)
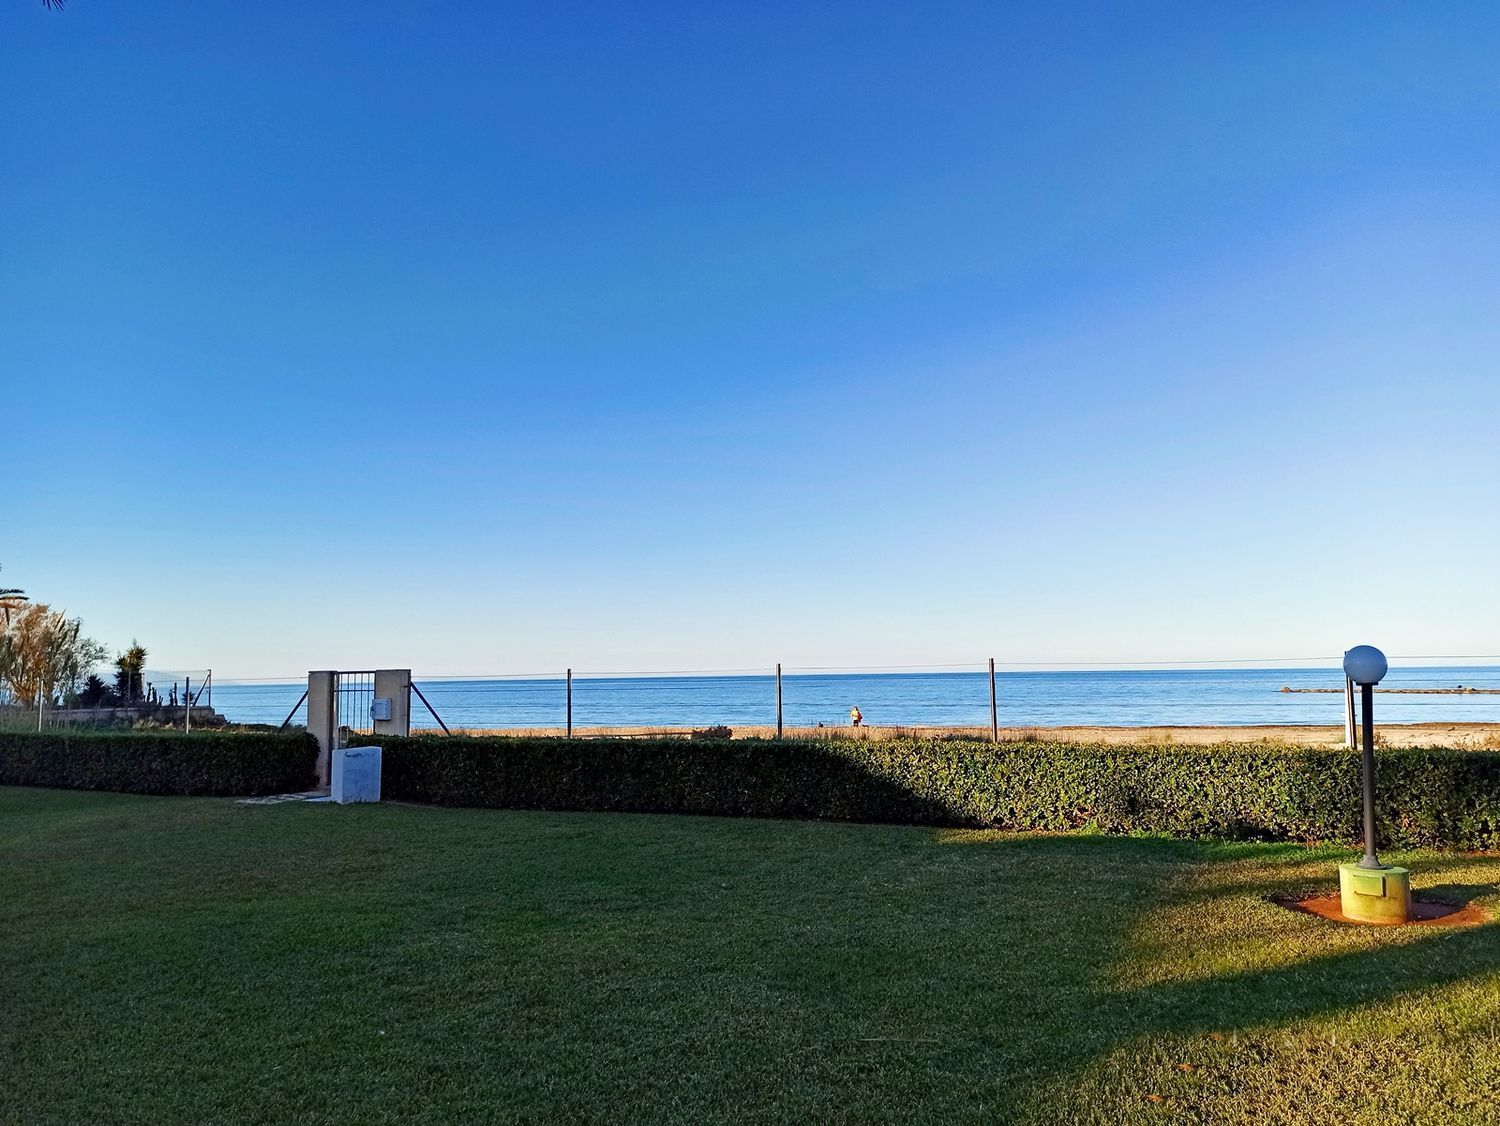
(769, 669)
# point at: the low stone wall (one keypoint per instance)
(98, 717)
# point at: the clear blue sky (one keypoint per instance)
(487, 338)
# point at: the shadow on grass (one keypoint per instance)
(1321, 985)
(1459, 895)
(1405, 965)
(1301, 879)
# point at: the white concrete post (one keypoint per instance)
(394, 685)
(322, 719)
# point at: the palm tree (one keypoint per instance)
(11, 599)
(130, 666)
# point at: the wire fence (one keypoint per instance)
(173, 687)
(1230, 693)
(157, 696)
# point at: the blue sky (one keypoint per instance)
(500, 338)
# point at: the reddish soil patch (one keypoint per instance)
(1425, 912)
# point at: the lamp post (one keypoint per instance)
(1371, 891)
(1366, 666)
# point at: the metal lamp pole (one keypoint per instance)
(1367, 763)
(1370, 891)
(1366, 665)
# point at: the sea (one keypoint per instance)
(1115, 698)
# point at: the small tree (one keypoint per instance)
(43, 651)
(95, 693)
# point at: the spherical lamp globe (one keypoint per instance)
(1365, 664)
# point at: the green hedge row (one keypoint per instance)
(1244, 791)
(161, 762)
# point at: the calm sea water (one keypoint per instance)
(1135, 698)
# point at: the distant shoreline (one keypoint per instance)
(1457, 690)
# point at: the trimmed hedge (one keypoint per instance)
(1433, 797)
(161, 762)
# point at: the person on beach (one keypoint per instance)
(855, 718)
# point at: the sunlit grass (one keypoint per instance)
(185, 959)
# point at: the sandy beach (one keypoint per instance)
(1464, 736)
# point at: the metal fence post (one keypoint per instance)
(778, 699)
(1349, 733)
(570, 704)
(994, 713)
(187, 705)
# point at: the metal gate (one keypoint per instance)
(344, 707)
(354, 701)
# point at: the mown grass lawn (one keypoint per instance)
(166, 959)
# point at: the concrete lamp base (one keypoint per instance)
(1375, 895)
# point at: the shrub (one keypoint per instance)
(160, 762)
(1427, 797)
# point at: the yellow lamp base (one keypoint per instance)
(1375, 895)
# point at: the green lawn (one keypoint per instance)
(170, 959)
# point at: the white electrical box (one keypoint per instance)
(380, 708)
(355, 775)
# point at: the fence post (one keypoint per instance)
(994, 713)
(322, 718)
(778, 699)
(187, 705)
(393, 685)
(570, 704)
(1349, 733)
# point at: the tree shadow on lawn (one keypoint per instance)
(1323, 969)
(1459, 895)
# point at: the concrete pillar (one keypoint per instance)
(322, 718)
(394, 685)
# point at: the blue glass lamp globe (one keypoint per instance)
(1365, 664)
